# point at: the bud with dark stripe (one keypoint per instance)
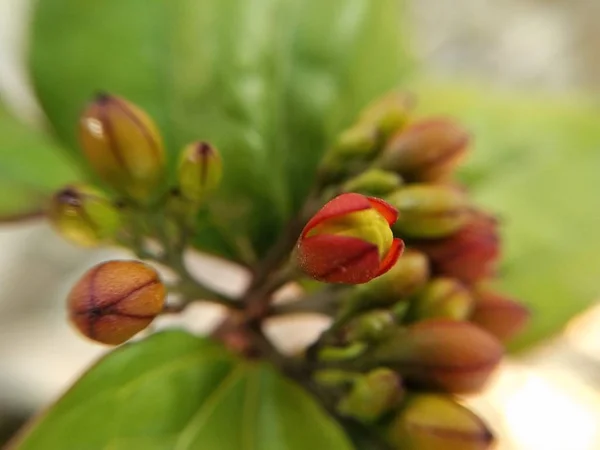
(115, 300)
(123, 146)
(200, 171)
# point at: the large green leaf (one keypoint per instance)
(535, 162)
(174, 391)
(31, 168)
(270, 82)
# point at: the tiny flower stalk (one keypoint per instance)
(115, 300)
(349, 240)
(84, 216)
(123, 147)
(199, 172)
(431, 421)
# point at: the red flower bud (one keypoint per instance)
(500, 316)
(349, 240)
(468, 255)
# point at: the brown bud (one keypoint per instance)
(429, 210)
(115, 300)
(442, 298)
(441, 354)
(438, 422)
(427, 150)
(500, 316)
(470, 254)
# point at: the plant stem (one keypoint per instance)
(324, 302)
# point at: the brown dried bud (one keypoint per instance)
(441, 354)
(428, 150)
(442, 298)
(438, 422)
(429, 210)
(500, 316)
(470, 254)
(115, 300)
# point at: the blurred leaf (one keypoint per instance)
(535, 163)
(174, 391)
(269, 82)
(31, 169)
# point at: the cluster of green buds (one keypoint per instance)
(417, 328)
(124, 150)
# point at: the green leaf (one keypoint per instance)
(269, 82)
(174, 391)
(535, 163)
(31, 169)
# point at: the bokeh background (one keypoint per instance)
(544, 398)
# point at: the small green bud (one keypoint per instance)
(388, 114)
(429, 211)
(200, 171)
(374, 182)
(84, 215)
(351, 351)
(372, 395)
(442, 298)
(335, 378)
(123, 146)
(370, 327)
(352, 151)
(438, 422)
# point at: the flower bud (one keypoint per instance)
(388, 114)
(349, 240)
(438, 422)
(200, 171)
(83, 215)
(123, 146)
(428, 150)
(500, 316)
(374, 182)
(429, 211)
(406, 276)
(468, 255)
(441, 354)
(372, 395)
(115, 300)
(370, 327)
(442, 298)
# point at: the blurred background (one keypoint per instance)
(545, 398)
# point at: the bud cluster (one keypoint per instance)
(428, 328)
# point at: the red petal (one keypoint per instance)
(339, 206)
(395, 251)
(385, 209)
(338, 259)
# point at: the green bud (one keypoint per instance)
(438, 422)
(388, 114)
(429, 211)
(372, 395)
(335, 378)
(200, 171)
(352, 151)
(370, 327)
(351, 351)
(84, 216)
(442, 298)
(123, 146)
(374, 182)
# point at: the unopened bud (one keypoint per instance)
(442, 298)
(429, 211)
(388, 114)
(200, 171)
(438, 422)
(84, 215)
(351, 153)
(500, 316)
(115, 300)
(470, 254)
(441, 354)
(425, 151)
(372, 395)
(374, 182)
(371, 326)
(123, 146)
(335, 378)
